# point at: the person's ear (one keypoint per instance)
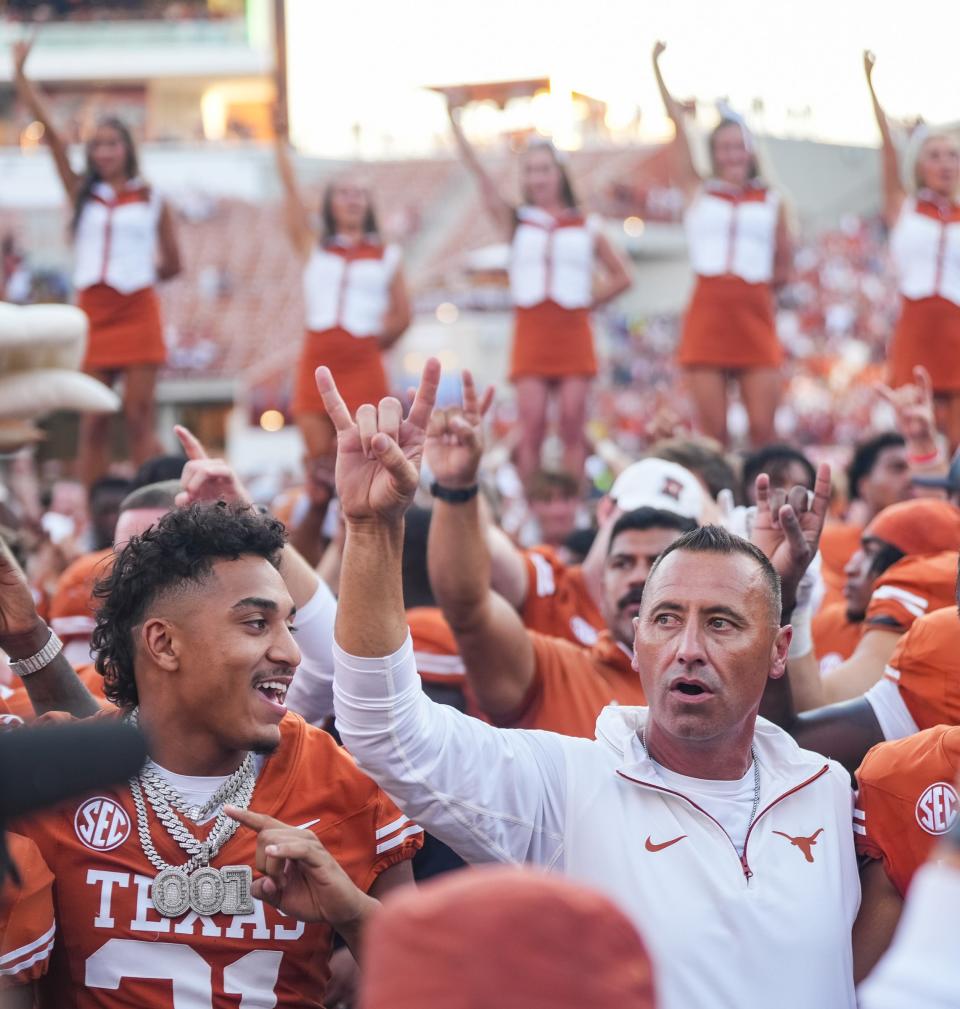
(779, 651)
(158, 639)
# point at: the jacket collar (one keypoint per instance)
(783, 764)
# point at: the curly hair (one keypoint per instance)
(179, 551)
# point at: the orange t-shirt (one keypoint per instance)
(926, 669)
(912, 588)
(907, 800)
(72, 607)
(838, 543)
(114, 949)
(438, 660)
(835, 638)
(558, 602)
(26, 916)
(573, 684)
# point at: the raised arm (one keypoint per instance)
(916, 421)
(55, 687)
(31, 97)
(493, 643)
(497, 206)
(295, 214)
(686, 172)
(491, 794)
(893, 191)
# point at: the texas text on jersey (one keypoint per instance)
(116, 950)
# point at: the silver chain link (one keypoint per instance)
(237, 790)
(756, 774)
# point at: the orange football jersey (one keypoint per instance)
(925, 666)
(27, 927)
(911, 588)
(573, 684)
(435, 647)
(838, 543)
(72, 607)
(835, 638)
(907, 800)
(558, 602)
(115, 950)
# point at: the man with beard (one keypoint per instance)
(521, 678)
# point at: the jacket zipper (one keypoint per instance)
(742, 859)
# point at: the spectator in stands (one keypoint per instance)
(785, 465)
(124, 242)
(740, 248)
(357, 304)
(555, 251)
(554, 500)
(924, 242)
(703, 457)
(105, 497)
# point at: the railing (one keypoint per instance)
(125, 33)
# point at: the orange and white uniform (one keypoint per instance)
(925, 248)
(835, 637)
(346, 290)
(558, 602)
(115, 248)
(572, 685)
(912, 588)
(73, 607)
(731, 237)
(438, 660)
(920, 687)
(907, 800)
(117, 951)
(27, 926)
(551, 284)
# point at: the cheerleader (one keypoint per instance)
(555, 283)
(925, 248)
(356, 299)
(740, 250)
(124, 242)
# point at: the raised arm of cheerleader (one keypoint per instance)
(893, 191)
(497, 206)
(31, 97)
(169, 265)
(399, 312)
(295, 213)
(783, 250)
(615, 275)
(687, 176)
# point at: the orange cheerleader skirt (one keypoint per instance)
(550, 341)
(927, 333)
(730, 325)
(125, 329)
(355, 362)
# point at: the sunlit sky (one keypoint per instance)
(367, 61)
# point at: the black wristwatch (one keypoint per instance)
(454, 495)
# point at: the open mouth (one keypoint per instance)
(274, 691)
(691, 689)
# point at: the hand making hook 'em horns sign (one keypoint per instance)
(379, 454)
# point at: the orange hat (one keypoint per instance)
(510, 938)
(921, 526)
(73, 607)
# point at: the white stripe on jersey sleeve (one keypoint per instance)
(894, 716)
(13, 962)
(394, 842)
(911, 602)
(391, 827)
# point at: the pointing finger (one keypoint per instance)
(821, 492)
(762, 489)
(486, 401)
(332, 400)
(191, 444)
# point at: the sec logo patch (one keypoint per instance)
(101, 824)
(938, 808)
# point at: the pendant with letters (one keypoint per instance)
(207, 891)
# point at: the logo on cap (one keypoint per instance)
(937, 808)
(671, 488)
(102, 824)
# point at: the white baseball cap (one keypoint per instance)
(657, 483)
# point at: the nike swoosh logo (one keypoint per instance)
(650, 846)
(309, 823)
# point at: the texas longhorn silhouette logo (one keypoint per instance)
(805, 844)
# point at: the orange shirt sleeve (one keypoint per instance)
(923, 667)
(26, 916)
(910, 589)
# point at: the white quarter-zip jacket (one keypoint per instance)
(772, 928)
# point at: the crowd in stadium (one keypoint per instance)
(604, 701)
